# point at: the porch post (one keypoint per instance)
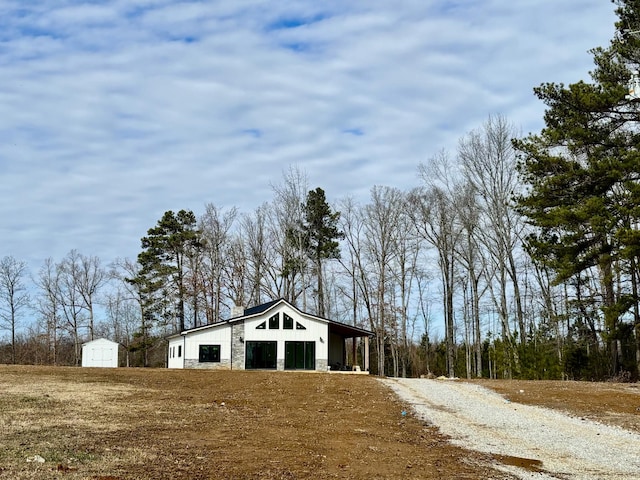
(344, 353)
(366, 354)
(353, 348)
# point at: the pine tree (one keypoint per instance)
(582, 171)
(162, 260)
(321, 235)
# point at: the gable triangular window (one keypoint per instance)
(287, 322)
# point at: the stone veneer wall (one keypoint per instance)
(194, 363)
(321, 365)
(238, 362)
(237, 346)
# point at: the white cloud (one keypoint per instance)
(114, 112)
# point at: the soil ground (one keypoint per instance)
(117, 424)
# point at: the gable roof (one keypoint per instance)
(100, 340)
(337, 327)
(262, 308)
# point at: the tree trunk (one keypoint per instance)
(477, 340)
(321, 311)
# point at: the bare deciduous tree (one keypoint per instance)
(215, 226)
(14, 297)
(288, 215)
(404, 271)
(470, 257)
(255, 236)
(380, 231)
(352, 224)
(435, 211)
(48, 306)
(122, 315)
(70, 300)
(489, 165)
(91, 277)
(126, 271)
(236, 273)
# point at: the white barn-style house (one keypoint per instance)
(274, 335)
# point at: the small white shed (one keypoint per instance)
(100, 353)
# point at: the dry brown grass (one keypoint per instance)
(138, 424)
(116, 424)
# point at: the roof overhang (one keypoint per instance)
(348, 331)
(342, 329)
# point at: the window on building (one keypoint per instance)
(179, 351)
(299, 326)
(262, 326)
(300, 355)
(209, 353)
(287, 322)
(274, 322)
(261, 355)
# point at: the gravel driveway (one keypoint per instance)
(479, 419)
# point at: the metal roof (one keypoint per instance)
(335, 327)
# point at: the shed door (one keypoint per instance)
(102, 356)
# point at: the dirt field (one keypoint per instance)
(160, 424)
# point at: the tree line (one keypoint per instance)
(515, 256)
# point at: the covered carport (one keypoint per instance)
(339, 333)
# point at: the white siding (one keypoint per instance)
(218, 335)
(176, 352)
(316, 331)
(100, 353)
(233, 336)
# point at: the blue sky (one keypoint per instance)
(112, 112)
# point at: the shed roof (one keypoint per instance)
(100, 340)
